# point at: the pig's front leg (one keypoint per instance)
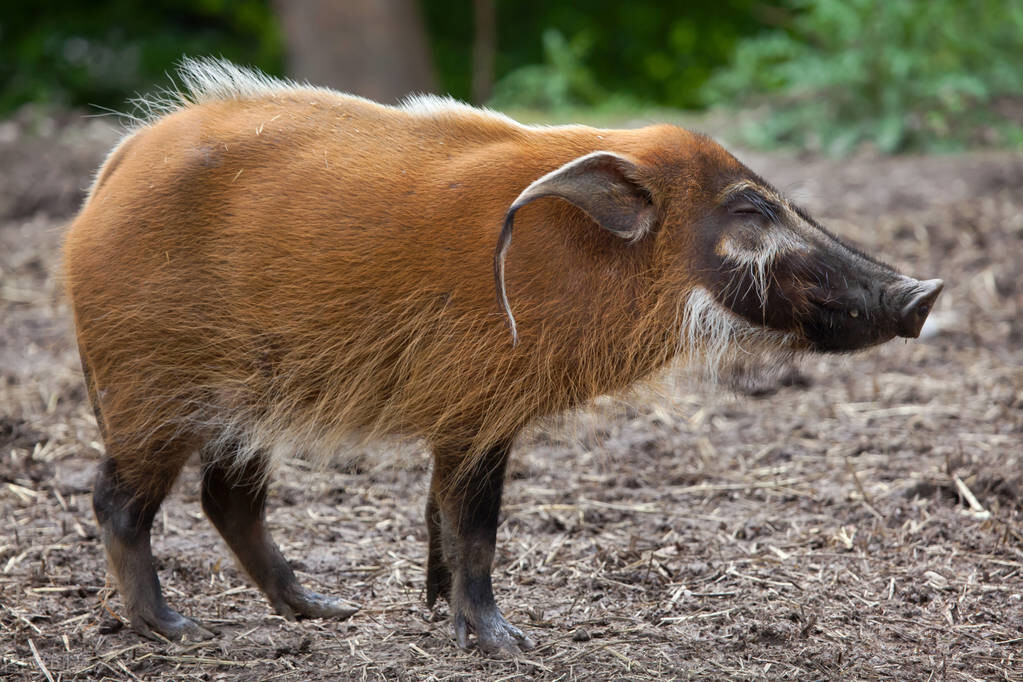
(462, 523)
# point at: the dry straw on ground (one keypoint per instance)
(858, 519)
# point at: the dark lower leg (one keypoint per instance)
(125, 517)
(468, 507)
(234, 499)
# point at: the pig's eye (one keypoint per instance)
(751, 204)
(746, 209)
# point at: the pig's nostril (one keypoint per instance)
(919, 306)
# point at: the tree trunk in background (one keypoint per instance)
(374, 48)
(483, 49)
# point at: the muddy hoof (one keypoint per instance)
(169, 624)
(305, 603)
(495, 636)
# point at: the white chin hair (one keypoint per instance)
(722, 347)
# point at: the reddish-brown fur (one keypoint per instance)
(306, 266)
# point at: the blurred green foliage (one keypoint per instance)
(563, 80)
(899, 74)
(821, 74)
(74, 53)
(552, 54)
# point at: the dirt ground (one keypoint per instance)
(861, 519)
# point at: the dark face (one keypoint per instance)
(774, 266)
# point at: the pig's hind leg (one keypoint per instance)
(131, 483)
(462, 515)
(125, 514)
(234, 499)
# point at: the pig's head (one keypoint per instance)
(773, 265)
(753, 274)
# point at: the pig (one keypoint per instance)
(263, 269)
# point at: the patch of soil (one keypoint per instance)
(859, 519)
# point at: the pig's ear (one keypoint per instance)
(604, 186)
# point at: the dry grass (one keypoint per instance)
(867, 526)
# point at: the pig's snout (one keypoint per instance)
(913, 301)
(866, 314)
